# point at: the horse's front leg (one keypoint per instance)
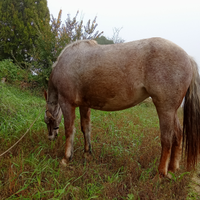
(86, 128)
(69, 117)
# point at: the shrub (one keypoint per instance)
(14, 74)
(10, 71)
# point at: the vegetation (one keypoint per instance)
(18, 34)
(103, 40)
(116, 38)
(113, 40)
(11, 72)
(14, 75)
(126, 151)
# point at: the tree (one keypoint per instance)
(18, 34)
(47, 47)
(115, 38)
(77, 31)
(103, 40)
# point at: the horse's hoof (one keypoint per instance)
(157, 178)
(169, 176)
(64, 162)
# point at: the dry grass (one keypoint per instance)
(126, 152)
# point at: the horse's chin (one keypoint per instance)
(53, 137)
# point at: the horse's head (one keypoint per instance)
(52, 118)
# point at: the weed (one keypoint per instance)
(130, 197)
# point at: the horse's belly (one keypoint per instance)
(121, 105)
(117, 101)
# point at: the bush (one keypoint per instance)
(11, 71)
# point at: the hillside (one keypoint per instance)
(126, 151)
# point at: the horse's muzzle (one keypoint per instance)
(53, 136)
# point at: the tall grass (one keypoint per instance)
(17, 110)
(126, 151)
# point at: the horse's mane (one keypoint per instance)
(75, 44)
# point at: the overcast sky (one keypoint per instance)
(175, 20)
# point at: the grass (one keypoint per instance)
(126, 151)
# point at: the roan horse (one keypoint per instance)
(119, 76)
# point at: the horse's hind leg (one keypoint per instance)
(86, 127)
(166, 119)
(176, 146)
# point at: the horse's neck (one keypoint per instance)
(53, 99)
(52, 95)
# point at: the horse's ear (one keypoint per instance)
(45, 94)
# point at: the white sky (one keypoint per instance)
(175, 20)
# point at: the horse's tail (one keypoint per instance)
(191, 121)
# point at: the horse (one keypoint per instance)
(119, 76)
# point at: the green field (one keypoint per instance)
(126, 151)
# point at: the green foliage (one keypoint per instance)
(17, 109)
(12, 72)
(104, 40)
(18, 34)
(77, 31)
(48, 46)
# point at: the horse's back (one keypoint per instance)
(113, 77)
